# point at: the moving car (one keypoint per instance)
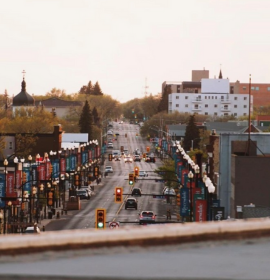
(131, 203)
(143, 173)
(108, 169)
(110, 146)
(136, 192)
(137, 158)
(82, 193)
(147, 217)
(128, 159)
(117, 158)
(88, 189)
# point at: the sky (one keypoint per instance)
(130, 46)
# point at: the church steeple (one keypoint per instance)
(220, 75)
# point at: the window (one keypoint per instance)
(215, 97)
(244, 88)
(225, 114)
(245, 106)
(268, 88)
(212, 97)
(235, 106)
(245, 114)
(206, 113)
(186, 105)
(177, 97)
(177, 105)
(252, 88)
(205, 97)
(206, 105)
(235, 114)
(199, 97)
(235, 98)
(245, 98)
(196, 106)
(10, 144)
(215, 105)
(257, 88)
(226, 107)
(186, 97)
(222, 97)
(215, 114)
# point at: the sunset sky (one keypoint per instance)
(128, 44)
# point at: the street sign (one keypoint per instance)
(159, 180)
(159, 196)
(113, 225)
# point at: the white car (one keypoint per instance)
(142, 174)
(169, 191)
(108, 169)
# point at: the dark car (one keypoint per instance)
(131, 203)
(136, 192)
(83, 194)
(137, 158)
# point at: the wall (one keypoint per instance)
(215, 86)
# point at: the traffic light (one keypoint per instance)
(77, 179)
(136, 171)
(24, 177)
(96, 171)
(147, 149)
(100, 218)
(50, 198)
(131, 178)
(51, 168)
(110, 157)
(178, 198)
(132, 111)
(144, 156)
(125, 135)
(118, 192)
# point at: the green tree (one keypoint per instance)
(86, 120)
(163, 104)
(96, 118)
(167, 173)
(192, 135)
(97, 90)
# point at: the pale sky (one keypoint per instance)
(121, 43)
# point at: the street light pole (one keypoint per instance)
(190, 176)
(5, 166)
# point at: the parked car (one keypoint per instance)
(117, 158)
(109, 169)
(88, 189)
(117, 133)
(131, 203)
(143, 173)
(82, 193)
(147, 217)
(34, 229)
(137, 158)
(136, 192)
(168, 191)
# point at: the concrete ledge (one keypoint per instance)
(142, 236)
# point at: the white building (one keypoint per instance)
(215, 99)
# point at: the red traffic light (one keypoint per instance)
(118, 192)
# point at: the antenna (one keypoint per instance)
(23, 73)
(145, 88)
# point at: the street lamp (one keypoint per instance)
(190, 176)
(211, 189)
(197, 171)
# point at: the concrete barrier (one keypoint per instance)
(164, 234)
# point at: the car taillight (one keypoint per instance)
(153, 217)
(141, 216)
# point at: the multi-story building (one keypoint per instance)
(213, 99)
(260, 92)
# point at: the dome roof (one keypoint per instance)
(23, 98)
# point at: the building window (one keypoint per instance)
(177, 105)
(226, 107)
(245, 114)
(212, 97)
(215, 97)
(252, 88)
(244, 88)
(268, 88)
(235, 106)
(235, 114)
(206, 113)
(225, 114)
(199, 97)
(245, 106)
(186, 105)
(178, 89)
(205, 97)
(257, 88)
(186, 97)
(215, 114)
(245, 98)
(215, 105)
(177, 97)
(10, 145)
(222, 97)
(196, 106)
(206, 105)
(235, 98)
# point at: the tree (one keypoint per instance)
(96, 118)
(86, 120)
(25, 144)
(167, 173)
(163, 104)
(192, 135)
(97, 89)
